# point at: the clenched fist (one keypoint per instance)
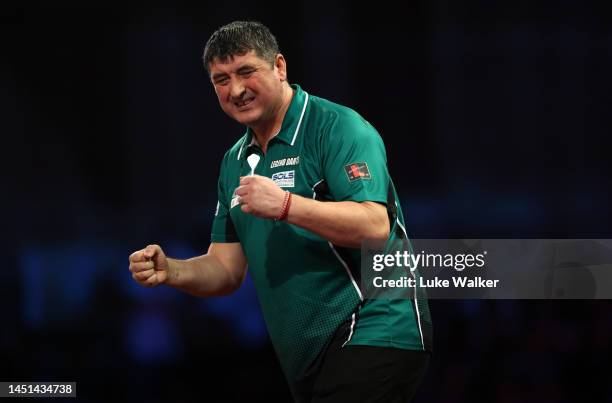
(260, 196)
(149, 266)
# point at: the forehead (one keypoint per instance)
(234, 62)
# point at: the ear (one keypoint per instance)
(280, 65)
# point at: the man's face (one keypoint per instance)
(249, 89)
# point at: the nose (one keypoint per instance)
(236, 89)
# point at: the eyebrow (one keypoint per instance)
(246, 67)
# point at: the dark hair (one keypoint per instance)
(238, 38)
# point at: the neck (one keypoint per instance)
(265, 131)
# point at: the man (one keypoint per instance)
(298, 193)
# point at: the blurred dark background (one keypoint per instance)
(497, 122)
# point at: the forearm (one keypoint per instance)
(344, 223)
(202, 276)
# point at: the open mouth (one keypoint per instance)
(244, 103)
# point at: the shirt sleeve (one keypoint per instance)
(223, 230)
(355, 161)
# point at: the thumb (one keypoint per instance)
(151, 250)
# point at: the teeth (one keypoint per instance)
(244, 102)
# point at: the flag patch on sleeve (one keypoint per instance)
(357, 170)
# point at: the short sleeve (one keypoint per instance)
(223, 230)
(355, 161)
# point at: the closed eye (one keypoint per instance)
(246, 72)
(221, 80)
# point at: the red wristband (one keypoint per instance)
(286, 204)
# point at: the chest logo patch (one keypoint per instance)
(284, 179)
(285, 162)
(357, 170)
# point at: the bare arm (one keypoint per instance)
(219, 272)
(345, 223)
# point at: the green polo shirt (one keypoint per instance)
(307, 286)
